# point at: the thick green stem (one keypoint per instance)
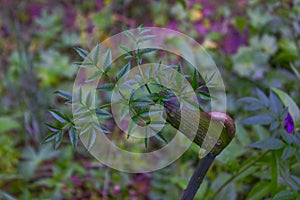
(210, 125)
(214, 122)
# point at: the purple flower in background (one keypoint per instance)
(289, 124)
(172, 25)
(233, 40)
(201, 29)
(35, 9)
(207, 11)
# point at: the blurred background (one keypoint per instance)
(254, 43)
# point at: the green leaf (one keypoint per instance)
(7, 124)
(123, 71)
(160, 137)
(193, 105)
(145, 31)
(169, 68)
(59, 116)
(250, 62)
(228, 192)
(230, 154)
(209, 80)
(32, 159)
(287, 152)
(146, 140)
(141, 102)
(107, 61)
(96, 54)
(243, 136)
(104, 129)
(52, 128)
(269, 44)
(294, 182)
(95, 75)
(249, 100)
(147, 50)
(271, 144)
(179, 68)
(259, 119)
(81, 52)
(140, 28)
(261, 132)
(79, 93)
(84, 64)
(285, 195)
(251, 103)
(73, 137)
(131, 127)
(106, 87)
(147, 37)
(50, 137)
(153, 96)
(297, 73)
(103, 114)
(92, 139)
(196, 80)
(259, 191)
(130, 36)
(204, 95)
(183, 3)
(296, 138)
(289, 102)
(284, 113)
(262, 97)
(125, 49)
(240, 23)
(58, 139)
(275, 105)
(89, 100)
(288, 49)
(6, 196)
(274, 125)
(286, 137)
(158, 66)
(64, 94)
(266, 43)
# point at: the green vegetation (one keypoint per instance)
(255, 44)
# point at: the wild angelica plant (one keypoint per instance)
(139, 102)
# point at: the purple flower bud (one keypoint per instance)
(207, 11)
(117, 189)
(289, 124)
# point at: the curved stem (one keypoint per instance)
(246, 167)
(198, 176)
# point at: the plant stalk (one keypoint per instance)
(212, 122)
(197, 177)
